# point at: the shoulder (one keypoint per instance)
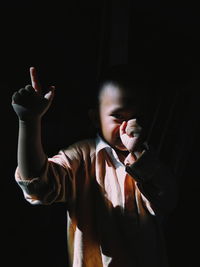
(84, 148)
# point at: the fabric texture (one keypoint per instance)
(114, 210)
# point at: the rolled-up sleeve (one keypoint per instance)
(54, 182)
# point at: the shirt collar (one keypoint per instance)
(101, 144)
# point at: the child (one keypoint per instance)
(115, 188)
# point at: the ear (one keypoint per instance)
(94, 117)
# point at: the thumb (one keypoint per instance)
(50, 95)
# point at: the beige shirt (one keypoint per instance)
(110, 222)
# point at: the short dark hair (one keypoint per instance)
(133, 78)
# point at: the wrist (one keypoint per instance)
(139, 148)
(29, 121)
(34, 123)
(133, 156)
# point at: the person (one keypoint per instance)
(116, 189)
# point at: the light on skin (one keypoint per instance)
(34, 80)
(116, 118)
(37, 86)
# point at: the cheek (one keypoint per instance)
(110, 129)
(115, 129)
(104, 123)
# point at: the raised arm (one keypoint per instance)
(30, 104)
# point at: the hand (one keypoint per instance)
(29, 102)
(130, 133)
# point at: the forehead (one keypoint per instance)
(113, 94)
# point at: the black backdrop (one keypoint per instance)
(69, 44)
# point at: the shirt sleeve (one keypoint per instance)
(155, 180)
(54, 184)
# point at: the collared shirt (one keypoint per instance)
(111, 208)
(116, 196)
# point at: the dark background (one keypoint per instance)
(69, 44)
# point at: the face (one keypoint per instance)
(114, 108)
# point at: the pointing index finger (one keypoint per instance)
(34, 80)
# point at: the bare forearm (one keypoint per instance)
(31, 157)
(30, 104)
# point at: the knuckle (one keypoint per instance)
(21, 91)
(16, 97)
(24, 92)
(29, 89)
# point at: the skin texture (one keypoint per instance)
(117, 122)
(30, 105)
(118, 118)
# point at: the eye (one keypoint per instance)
(118, 116)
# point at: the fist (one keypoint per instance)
(133, 129)
(130, 134)
(29, 102)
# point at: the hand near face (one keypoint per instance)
(130, 132)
